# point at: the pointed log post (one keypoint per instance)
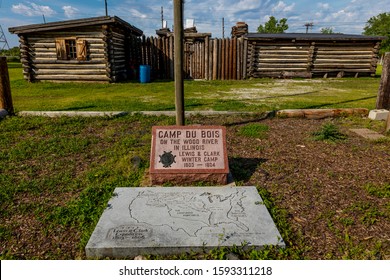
(5, 88)
(383, 100)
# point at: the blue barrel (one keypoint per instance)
(144, 73)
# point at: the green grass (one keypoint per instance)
(62, 171)
(254, 130)
(328, 132)
(247, 95)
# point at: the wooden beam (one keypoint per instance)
(5, 87)
(179, 79)
(383, 99)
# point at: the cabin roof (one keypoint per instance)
(59, 25)
(312, 37)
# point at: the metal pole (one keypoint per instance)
(179, 81)
(105, 5)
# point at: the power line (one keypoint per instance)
(3, 40)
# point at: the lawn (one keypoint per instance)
(326, 188)
(256, 95)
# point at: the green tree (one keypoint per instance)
(273, 26)
(379, 26)
(327, 30)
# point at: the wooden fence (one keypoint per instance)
(208, 59)
(239, 58)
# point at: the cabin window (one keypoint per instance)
(71, 49)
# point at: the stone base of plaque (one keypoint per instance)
(188, 179)
(175, 220)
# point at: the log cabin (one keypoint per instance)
(305, 55)
(87, 50)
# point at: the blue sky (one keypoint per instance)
(345, 16)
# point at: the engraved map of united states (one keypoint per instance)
(201, 212)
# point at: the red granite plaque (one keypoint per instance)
(189, 154)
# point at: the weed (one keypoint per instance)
(369, 214)
(254, 130)
(381, 191)
(348, 221)
(329, 132)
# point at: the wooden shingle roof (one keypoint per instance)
(312, 37)
(60, 25)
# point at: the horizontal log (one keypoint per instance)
(117, 61)
(321, 113)
(97, 56)
(41, 50)
(357, 49)
(342, 56)
(341, 66)
(101, 46)
(43, 45)
(342, 61)
(75, 62)
(118, 35)
(96, 51)
(69, 71)
(333, 70)
(72, 77)
(279, 65)
(303, 47)
(43, 56)
(278, 56)
(72, 66)
(262, 69)
(281, 60)
(345, 46)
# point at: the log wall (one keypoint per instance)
(285, 59)
(113, 55)
(107, 56)
(40, 62)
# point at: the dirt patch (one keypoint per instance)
(324, 187)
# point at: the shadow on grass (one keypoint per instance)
(76, 108)
(242, 169)
(338, 103)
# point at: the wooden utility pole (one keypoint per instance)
(223, 28)
(5, 88)
(179, 77)
(383, 99)
(308, 25)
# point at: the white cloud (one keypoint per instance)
(69, 11)
(137, 14)
(282, 7)
(323, 6)
(32, 10)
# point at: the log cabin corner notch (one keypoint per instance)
(92, 49)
